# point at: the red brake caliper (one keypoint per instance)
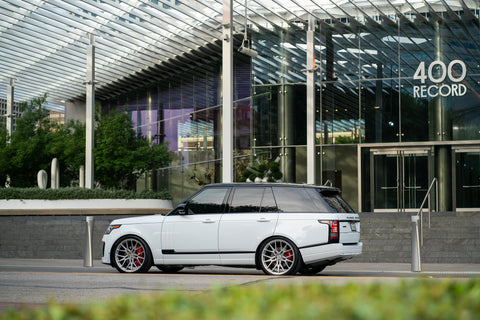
(289, 255)
(140, 254)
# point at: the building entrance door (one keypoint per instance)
(399, 178)
(466, 178)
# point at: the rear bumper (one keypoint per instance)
(329, 252)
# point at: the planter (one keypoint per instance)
(85, 207)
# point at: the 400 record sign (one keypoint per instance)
(438, 72)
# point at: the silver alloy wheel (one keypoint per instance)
(279, 257)
(130, 255)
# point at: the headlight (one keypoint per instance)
(112, 227)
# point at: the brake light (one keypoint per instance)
(334, 231)
(334, 234)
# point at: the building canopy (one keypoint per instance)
(43, 43)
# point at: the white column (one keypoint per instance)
(311, 131)
(227, 90)
(10, 94)
(89, 117)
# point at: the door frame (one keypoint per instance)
(455, 151)
(400, 153)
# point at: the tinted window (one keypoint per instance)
(336, 202)
(208, 201)
(253, 199)
(268, 201)
(318, 200)
(291, 199)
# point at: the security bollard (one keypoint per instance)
(416, 263)
(88, 261)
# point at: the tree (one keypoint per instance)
(25, 154)
(120, 154)
(66, 142)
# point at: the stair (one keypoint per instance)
(454, 237)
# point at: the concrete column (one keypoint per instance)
(90, 112)
(311, 130)
(10, 95)
(227, 92)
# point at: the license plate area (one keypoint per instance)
(353, 226)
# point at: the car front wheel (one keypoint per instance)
(279, 256)
(132, 255)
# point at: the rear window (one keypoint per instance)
(292, 199)
(335, 201)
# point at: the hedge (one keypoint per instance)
(411, 299)
(79, 193)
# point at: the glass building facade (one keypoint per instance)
(397, 104)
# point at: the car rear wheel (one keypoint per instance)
(132, 255)
(279, 256)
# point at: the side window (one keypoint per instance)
(253, 199)
(208, 201)
(292, 199)
(246, 200)
(319, 201)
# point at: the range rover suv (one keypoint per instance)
(279, 228)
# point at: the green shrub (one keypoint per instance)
(413, 299)
(79, 193)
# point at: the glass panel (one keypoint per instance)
(466, 112)
(416, 182)
(319, 201)
(380, 111)
(385, 181)
(340, 168)
(467, 170)
(265, 116)
(290, 199)
(336, 202)
(340, 118)
(440, 79)
(208, 201)
(246, 200)
(400, 180)
(281, 56)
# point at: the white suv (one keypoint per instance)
(279, 228)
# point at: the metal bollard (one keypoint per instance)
(88, 261)
(416, 262)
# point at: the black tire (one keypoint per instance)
(311, 270)
(131, 255)
(169, 269)
(279, 256)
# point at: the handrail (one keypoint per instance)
(328, 183)
(427, 196)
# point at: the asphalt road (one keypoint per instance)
(35, 282)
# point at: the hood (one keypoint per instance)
(157, 218)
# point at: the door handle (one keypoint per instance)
(263, 220)
(208, 221)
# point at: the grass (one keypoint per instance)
(421, 299)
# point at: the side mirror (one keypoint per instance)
(181, 209)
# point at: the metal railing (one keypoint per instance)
(417, 239)
(428, 197)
